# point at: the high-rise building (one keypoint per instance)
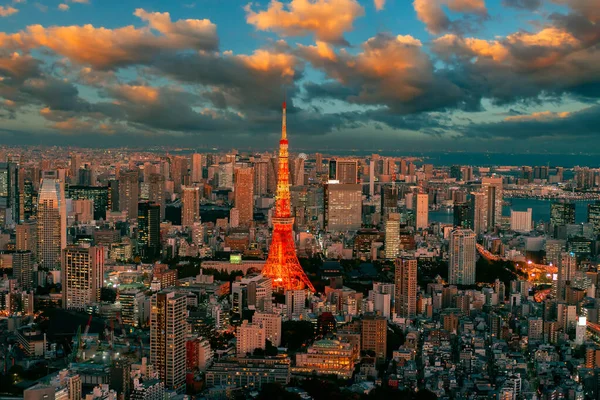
(244, 194)
(520, 221)
(271, 322)
(167, 338)
(149, 229)
(462, 257)
(494, 188)
(392, 236)
(98, 194)
(343, 207)
(190, 209)
(261, 168)
(562, 212)
(389, 200)
(567, 267)
(250, 337)
(343, 171)
(422, 211)
(26, 234)
(462, 213)
(9, 194)
(156, 192)
(129, 193)
(282, 265)
(131, 306)
(252, 292)
(179, 170)
(295, 303)
(318, 162)
(593, 216)
(479, 212)
(51, 223)
(374, 335)
(75, 165)
(82, 276)
(406, 287)
(196, 168)
(22, 265)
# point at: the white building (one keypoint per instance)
(422, 211)
(520, 221)
(250, 337)
(272, 325)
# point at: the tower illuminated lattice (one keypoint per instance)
(282, 265)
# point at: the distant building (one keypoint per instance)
(129, 193)
(343, 207)
(520, 221)
(422, 211)
(51, 223)
(462, 257)
(244, 195)
(406, 287)
(149, 229)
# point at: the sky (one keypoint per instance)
(514, 76)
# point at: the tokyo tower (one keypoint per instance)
(282, 265)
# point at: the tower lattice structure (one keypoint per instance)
(282, 265)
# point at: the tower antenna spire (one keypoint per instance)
(284, 118)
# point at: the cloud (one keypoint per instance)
(104, 48)
(588, 8)
(328, 20)
(389, 71)
(529, 5)
(432, 14)
(63, 7)
(80, 1)
(379, 4)
(562, 126)
(5, 11)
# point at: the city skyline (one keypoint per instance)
(470, 75)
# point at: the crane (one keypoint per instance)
(76, 346)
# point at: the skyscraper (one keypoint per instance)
(422, 211)
(129, 193)
(75, 165)
(343, 171)
(461, 257)
(22, 264)
(167, 338)
(244, 194)
(9, 194)
(261, 168)
(495, 199)
(461, 215)
(149, 229)
(190, 210)
(51, 223)
(82, 276)
(562, 212)
(156, 191)
(196, 168)
(99, 194)
(343, 207)
(282, 264)
(566, 273)
(593, 216)
(27, 237)
(406, 287)
(478, 212)
(392, 236)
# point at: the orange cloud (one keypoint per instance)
(379, 4)
(328, 20)
(8, 10)
(136, 93)
(63, 7)
(539, 116)
(105, 48)
(266, 61)
(431, 13)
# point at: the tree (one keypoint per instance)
(108, 294)
(297, 333)
(274, 391)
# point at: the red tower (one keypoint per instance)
(282, 265)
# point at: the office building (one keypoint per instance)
(405, 279)
(261, 168)
(422, 211)
(98, 194)
(562, 212)
(567, 267)
(131, 301)
(253, 292)
(250, 337)
(478, 211)
(26, 235)
(494, 188)
(167, 338)
(129, 193)
(343, 207)
(462, 213)
(156, 192)
(22, 266)
(190, 209)
(9, 194)
(343, 171)
(179, 172)
(196, 168)
(389, 200)
(272, 325)
(149, 229)
(520, 221)
(462, 257)
(374, 336)
(392, 236)
(82, 276)
(199, 354)
(593, 216)
(244, 195)
(248, 373)
(51, 223)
